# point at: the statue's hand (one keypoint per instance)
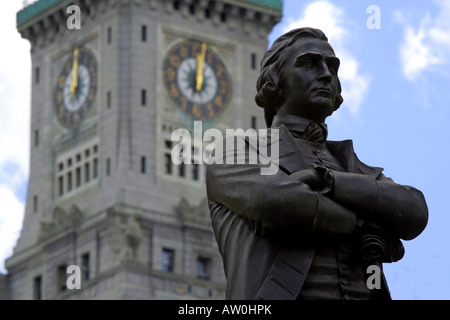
(318, 179)
(327, 178)
(310, 177)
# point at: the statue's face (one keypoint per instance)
(308, 80)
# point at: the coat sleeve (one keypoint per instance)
(277, 201)
(400, 208)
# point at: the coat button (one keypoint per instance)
(344, 266)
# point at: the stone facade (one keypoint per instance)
(135, 230)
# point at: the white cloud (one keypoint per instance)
(331, 20)
(427, 47)
(15, 86)
(11, 216)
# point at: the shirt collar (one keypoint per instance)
(294, 123)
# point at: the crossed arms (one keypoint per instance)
(291, 203)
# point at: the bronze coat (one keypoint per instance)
(263, 224)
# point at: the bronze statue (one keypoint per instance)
(312, 229)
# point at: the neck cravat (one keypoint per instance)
(315, 133)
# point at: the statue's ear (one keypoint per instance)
(279, 93)
(267, 95)
(270, 88)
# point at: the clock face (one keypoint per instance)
(197, 80)
(76, 88)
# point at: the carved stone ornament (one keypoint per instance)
(124, 236)
(62, 220)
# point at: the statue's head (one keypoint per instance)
(299, 76)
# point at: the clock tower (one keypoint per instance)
(108, 214)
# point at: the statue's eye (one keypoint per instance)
(333, 67)
(308, 64)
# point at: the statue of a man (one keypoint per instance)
(312, 229)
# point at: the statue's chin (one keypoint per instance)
(320, 111)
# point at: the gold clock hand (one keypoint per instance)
(200, 65)
(74, 84)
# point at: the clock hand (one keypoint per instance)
(199, 71)
(74, 84)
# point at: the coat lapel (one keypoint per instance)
(289, 154)
(344, 152)
(291, 158)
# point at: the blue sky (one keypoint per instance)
(396, 87)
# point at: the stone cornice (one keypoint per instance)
(40, 7)
(45, 20)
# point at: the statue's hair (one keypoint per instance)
(267, 84)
